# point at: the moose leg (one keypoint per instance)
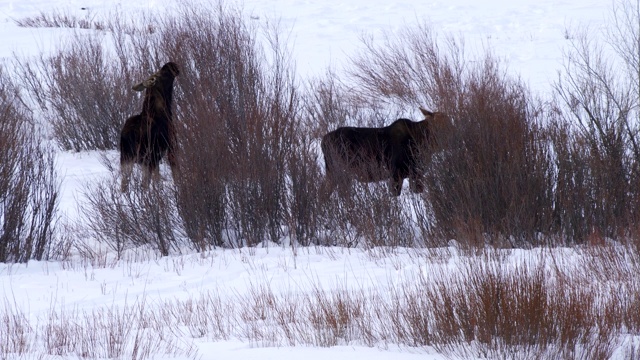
(332, 173)
(155, 175)
(151, 174)
(326, 189)
(416, 184)
(125, 169)
(146, 177)
(395, 185)
(172, 163)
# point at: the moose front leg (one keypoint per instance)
(171, 159)
(395, 185)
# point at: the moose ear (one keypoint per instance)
(151, 81)
(138, 87)
(425, 112)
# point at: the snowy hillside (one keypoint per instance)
(530, 36)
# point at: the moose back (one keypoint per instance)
(394, 152)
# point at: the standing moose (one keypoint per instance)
(393, 152)
(146, 137)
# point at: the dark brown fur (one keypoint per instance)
(146, 137)
(393, 152)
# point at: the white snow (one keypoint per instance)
(529, 35)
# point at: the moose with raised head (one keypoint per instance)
(394, 152)
(145, 138)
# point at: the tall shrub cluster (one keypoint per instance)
(239, 126)
(491, 177)
(28, 183)
(83, 92)
(515, 170)
(597, 139)
(246, 169)
(512, 170)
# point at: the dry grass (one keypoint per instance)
(61, 20)
(495, 305)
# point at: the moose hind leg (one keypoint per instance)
(395, 186)
(326, 189)
(151, 174)
(155, 175)
(416, 184)
(126, 168)
(173, 164)
(148, 176)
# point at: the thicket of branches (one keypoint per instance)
(597, 138)
(491, 180)
(517, 171)
(83, 91)
(514, 170)
(28, 181)
(247, 170)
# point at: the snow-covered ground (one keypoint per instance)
(529, 35)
